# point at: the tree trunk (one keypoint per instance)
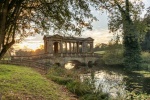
(5, 49)
(3, 18)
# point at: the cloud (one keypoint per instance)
(99, 36)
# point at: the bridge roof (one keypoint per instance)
(67, 38)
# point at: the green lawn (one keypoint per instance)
(99, 52)
(22, 83)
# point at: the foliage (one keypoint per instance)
(60, 80)
(71, 80)
(21, 18)
(100, 46)
(124, 16)
(114, 53)
(138, 82)
(113, 57)
(21, 83)
(146, 42)
(145, 61)
(135, 96)
(79, 88)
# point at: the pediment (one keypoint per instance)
(89, 38)
(56, 36)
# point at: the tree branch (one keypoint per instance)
(120, 8)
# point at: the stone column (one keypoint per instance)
(91, 47)
(45, 46)
(70, 47)
(73, 48)
(83, 47)
(51, 46)
(77, 47)
(66, 46)
(61, 47)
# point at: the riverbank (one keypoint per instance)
(24, 83)
(113, 81)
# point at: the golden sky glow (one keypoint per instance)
(28, 45)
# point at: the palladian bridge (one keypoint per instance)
(59, 50)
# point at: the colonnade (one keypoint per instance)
(59, 44)
(69, 47)
(72, 47)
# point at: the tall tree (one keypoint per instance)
(124, 15)
(146, 41)
(20, 18)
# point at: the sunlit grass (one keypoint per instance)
(22, 83)
(100, 52)
(144, 73)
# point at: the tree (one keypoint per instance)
(124, 16)
(146, 42)
(21, 18)
(100, 47)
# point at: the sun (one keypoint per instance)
(33, 46)
(29, 46)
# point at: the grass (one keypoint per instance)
(115, 57)
(145, 74)
(22, 83)
(100, 52)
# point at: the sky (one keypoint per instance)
(100, 32)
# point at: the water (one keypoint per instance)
(108, 81)
(69, 65)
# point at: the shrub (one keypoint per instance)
(79, 88)
(61, 80)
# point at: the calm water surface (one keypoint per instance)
(108, 81)
(112, 80)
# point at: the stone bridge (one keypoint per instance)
(61, 59)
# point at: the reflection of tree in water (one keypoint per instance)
(111, 82)
(134, 81)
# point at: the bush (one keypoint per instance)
(79, 88)
(61, 80)
(56, 71)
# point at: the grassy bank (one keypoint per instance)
(22, 83)
(85, 90)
